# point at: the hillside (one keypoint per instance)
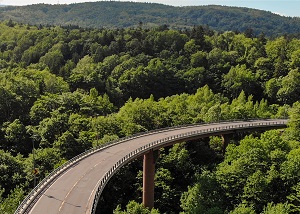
(64, 91)
(129, 14)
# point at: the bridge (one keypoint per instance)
(76, 186)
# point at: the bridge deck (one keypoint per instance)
(74, 189)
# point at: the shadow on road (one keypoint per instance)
(50, 196)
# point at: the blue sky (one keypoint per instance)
(282, 7)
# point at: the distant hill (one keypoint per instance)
(129, 14)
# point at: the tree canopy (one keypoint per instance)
(64, 90)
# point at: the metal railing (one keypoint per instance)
(34, 195)
(158, 143)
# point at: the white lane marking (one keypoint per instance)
(36, 203)
(90, 197)
(64, 201)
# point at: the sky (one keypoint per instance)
(281, 7)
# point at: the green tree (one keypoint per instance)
(243, 209)
(45, 161)
(69, 146)
(251, 170)
(289, 90)
(294, 61)
(290, 168)
(264, 68)
(135, 208)
(240, 78)
(292, 132)
(54, 60)
(279, 208)
(204, 197)
(94, 104)
(191, 47)
(16, 137)
(10, 204)
(277, 52)
(85, 75)
(294, 198)
(49, 129)
(194, 78)
(272, 87)
(11, 171)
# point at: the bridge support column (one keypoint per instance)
(148, 178)
(225, 142)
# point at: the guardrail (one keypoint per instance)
(34, 195)
(132, 155)
(35, 192)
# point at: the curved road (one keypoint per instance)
(74, 190)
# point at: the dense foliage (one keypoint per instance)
(63, 91)
(114, 14)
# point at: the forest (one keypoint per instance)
(115, 14)
(64, 90)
